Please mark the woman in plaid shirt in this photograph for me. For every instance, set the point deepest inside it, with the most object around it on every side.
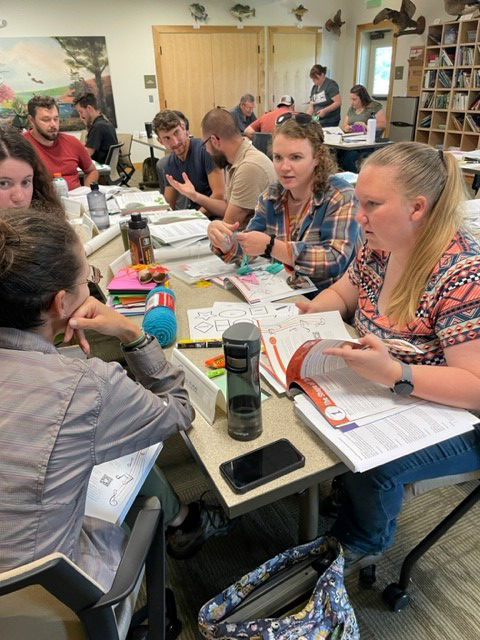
(307, 219)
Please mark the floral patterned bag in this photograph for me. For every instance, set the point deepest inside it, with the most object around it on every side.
(327, 614)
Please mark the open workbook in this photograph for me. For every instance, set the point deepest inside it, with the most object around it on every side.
(364, 422)
(260, 285)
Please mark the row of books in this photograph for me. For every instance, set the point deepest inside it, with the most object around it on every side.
(473, 122)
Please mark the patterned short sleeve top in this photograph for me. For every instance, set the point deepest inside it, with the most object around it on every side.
(449, 309)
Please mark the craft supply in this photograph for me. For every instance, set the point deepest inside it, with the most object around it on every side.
(199, 344)
(217, 362)
(215, 372)
(244, 268)
(275, 267)
(160, 320)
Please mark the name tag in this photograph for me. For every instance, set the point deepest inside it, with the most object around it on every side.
(319, 97)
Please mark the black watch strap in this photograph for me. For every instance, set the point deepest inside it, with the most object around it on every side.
(269, 247)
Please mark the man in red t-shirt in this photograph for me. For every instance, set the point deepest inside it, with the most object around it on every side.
(59, 152)
(266, 123)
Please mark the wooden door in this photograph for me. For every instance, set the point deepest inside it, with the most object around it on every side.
(235, 61)
(199, 69)
(184, 72)
(292, 52)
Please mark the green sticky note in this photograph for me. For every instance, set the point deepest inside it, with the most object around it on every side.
(371, 4)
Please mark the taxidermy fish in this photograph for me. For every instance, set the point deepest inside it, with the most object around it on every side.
(299, 12)
(242, 11)
(403, 19)
(199, 12)
(335, 24)
(460, 7)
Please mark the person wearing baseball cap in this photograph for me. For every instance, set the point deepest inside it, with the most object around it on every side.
(266, 123)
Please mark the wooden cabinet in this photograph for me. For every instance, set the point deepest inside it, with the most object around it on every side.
(449, 107)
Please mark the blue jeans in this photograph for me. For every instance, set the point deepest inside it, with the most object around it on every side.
(368, 516)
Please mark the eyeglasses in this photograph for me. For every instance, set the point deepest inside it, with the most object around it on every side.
(204, 142)
(94, 276)
(301, 118)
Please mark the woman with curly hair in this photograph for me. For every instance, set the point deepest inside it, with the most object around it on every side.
(307, 219)
(24, 181)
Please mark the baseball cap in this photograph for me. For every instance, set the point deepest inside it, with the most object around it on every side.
(285, 101)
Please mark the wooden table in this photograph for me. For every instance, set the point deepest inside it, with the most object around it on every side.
(211, 445)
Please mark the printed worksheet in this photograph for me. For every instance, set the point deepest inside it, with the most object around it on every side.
(211, 322)
(114, 485)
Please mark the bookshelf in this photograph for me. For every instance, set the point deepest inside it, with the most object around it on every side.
(449, 106)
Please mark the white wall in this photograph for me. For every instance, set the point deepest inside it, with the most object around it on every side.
(127, 27)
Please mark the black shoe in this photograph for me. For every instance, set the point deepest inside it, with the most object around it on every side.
(330, 506)
(182, 544)
(356, 560)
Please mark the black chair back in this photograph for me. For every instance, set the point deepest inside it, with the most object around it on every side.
(263, 142)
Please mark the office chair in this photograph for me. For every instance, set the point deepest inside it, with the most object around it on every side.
(125, 162)
(395, 595)
(112, 159)
(263, 142)
(51, 598)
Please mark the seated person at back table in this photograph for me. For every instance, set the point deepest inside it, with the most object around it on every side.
(100, 131)
(266, 123)
(416, 278)
(181, 202)
(243, 113)
(59, 152)
(248, 170)
(24, 181)
(60, 416)
(188, 156)
(306, 220)
(360, 111)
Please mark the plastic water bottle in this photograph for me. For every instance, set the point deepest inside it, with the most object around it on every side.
(60, 185)
(371, 128)
(97, 206)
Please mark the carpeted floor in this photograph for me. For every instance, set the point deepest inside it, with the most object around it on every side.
(445, 587)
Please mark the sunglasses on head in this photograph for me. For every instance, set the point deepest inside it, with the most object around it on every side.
(301, 118)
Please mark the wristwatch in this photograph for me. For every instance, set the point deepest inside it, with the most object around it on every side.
(268, 249)
(404, 386)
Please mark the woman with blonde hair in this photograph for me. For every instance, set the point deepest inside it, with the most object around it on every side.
(416, 278)
(306, 220)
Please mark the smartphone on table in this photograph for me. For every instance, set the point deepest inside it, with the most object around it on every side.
(261, 465)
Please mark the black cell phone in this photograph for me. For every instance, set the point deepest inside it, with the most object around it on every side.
(261, 465)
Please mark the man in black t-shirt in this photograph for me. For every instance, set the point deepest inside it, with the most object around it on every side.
(101, 132)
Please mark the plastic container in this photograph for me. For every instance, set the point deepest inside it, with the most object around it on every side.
(371, 128)
(139, 239)
(97, 206)
(241, 345)
(60, 185)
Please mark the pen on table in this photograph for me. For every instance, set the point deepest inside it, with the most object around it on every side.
(199, 344)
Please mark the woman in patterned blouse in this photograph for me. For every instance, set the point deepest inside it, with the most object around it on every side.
(417, 278)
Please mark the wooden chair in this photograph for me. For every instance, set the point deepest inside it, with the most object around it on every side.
(52, 599)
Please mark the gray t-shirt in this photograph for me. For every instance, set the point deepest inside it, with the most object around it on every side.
(363, 116)
(322, 97)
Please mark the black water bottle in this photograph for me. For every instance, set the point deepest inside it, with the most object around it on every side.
(241, 345)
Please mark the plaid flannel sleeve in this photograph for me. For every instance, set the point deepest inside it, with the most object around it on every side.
(328, 245)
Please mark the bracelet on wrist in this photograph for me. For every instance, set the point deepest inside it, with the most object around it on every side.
(134, 343)
(268, 249)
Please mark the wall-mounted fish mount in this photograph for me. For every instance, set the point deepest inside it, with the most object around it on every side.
(242, 11)
(198, 12)
(299, 12)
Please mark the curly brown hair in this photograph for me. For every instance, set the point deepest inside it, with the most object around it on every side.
(312, 132)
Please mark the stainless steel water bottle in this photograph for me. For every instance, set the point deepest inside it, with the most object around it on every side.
(241, 345)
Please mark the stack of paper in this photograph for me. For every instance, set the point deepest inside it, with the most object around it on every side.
(127, 293)
(141, 200)
(262, 286)
(179, 234)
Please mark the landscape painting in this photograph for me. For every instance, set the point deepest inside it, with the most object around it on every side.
(58, 66)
